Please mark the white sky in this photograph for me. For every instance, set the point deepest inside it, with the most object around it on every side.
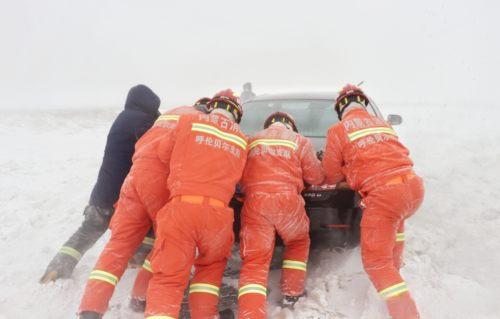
(64, 53)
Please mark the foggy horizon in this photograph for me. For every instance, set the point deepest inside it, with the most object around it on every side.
(58, 54)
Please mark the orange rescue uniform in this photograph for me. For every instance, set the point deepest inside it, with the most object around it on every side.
(143, 194)
(196, 226)
(365, 151)
(278, 162)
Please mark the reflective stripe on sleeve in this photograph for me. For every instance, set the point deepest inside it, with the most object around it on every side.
(209, 129)
(148, 241)
(104, 276)
(204, 288)
(167, 117)
(252, 289)
(400, 237)
(71, 252)
(368, 131)
(294, 264)
(394, 290)
(147, 265)
(271, 142)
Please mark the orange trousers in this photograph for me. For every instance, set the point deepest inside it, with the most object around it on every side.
(143, 194)
(192, 230)
(382, 239)
(264, 215)
(141, 283)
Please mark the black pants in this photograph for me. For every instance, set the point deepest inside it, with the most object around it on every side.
(94, 225)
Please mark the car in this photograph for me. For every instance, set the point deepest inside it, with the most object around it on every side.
(334, 213)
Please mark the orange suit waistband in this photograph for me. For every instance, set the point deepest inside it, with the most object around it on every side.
(200, 200)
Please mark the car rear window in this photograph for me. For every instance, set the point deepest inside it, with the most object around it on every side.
(313, 117)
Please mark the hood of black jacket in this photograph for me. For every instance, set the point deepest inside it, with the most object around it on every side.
(142, 98)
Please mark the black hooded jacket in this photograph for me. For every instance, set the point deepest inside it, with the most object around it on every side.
(141, 110)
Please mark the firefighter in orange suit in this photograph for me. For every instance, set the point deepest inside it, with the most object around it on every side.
(366, 152)
(138, 296)
(279, 161)
(143, 194)
(196, 226)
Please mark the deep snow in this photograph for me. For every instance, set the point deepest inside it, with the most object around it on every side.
(49, 162)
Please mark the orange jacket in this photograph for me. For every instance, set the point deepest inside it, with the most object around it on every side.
(363, 149)
(280, 160)
(150, 148)
(208, 157)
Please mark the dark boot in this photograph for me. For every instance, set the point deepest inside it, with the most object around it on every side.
(290, 301)
(61, 266)
(137, 305)
(94, 225)
(89, 315)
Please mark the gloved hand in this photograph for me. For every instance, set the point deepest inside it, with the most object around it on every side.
(319, 155)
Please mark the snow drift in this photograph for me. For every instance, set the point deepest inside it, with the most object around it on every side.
(49, 162)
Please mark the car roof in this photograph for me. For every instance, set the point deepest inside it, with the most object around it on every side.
(296, 96)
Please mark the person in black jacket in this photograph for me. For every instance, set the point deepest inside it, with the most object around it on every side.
(141, 111)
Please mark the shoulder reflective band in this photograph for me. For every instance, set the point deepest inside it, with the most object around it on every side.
(271, 142)
(368, 131)
(294, 264)
(70, 251)
(394, 290)
(147, 265)
(104, 276)
(400, 237)
(160, 317)
(205, 288)
(148, 241)
(209, 129)
(168, 117)
(252, 289)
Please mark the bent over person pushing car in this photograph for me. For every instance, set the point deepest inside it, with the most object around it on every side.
(366, 152)
(139, 114)
(143, 194)
(196, 226)
(279, 161)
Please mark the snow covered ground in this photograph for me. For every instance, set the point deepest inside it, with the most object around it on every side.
(49, 161)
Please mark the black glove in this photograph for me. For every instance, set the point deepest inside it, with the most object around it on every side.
(319, 155)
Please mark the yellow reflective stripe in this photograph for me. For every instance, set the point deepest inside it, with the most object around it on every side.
(373, 130)
(168, 118)
(294, 264)
(70, 251)
(252, 289)
(271, 142)
(160, 317)
(147, 265)
(199, 127)
(394, 290)
(400, 237)
(104, 276)
(148, 241)
(206, 288)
